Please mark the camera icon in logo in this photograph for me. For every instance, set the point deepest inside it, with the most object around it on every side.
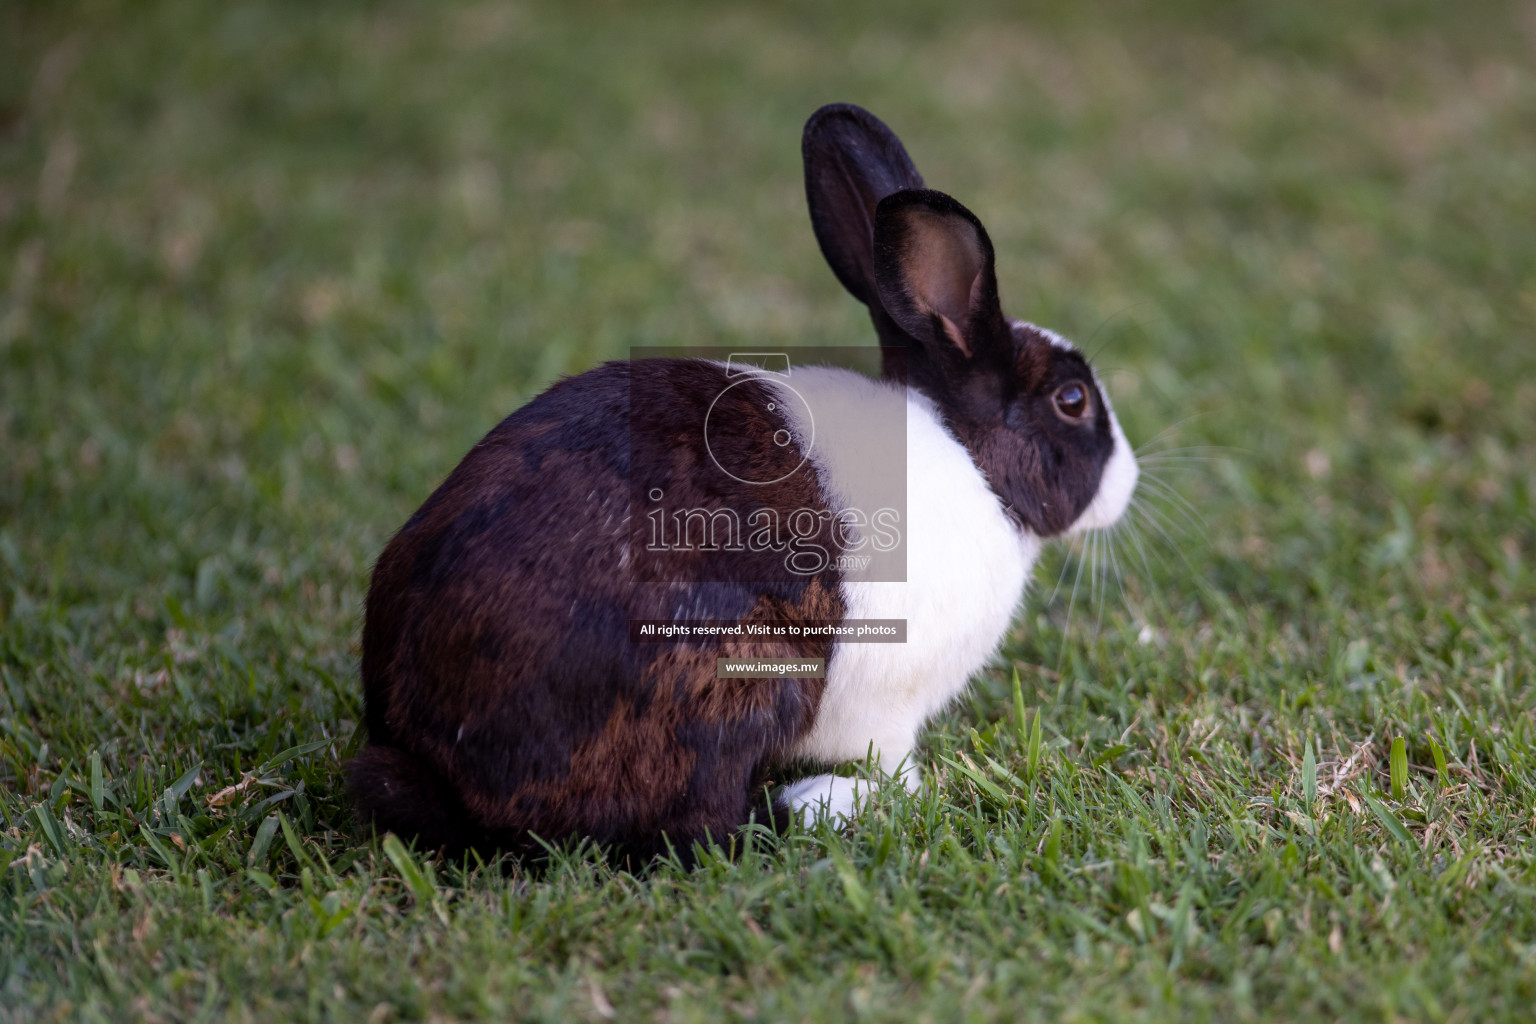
(732, 434)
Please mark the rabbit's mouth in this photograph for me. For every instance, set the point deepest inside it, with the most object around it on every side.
(1116, 486)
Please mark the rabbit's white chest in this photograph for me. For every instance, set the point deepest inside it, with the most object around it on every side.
(967, 565)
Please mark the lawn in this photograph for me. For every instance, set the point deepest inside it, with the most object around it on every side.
(268, 269)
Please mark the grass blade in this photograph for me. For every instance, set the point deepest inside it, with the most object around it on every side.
(171, 863)
(1441, 768)
(50, 827)
(1309, 777)
(98, 782)
(982, 782)
(1036, 750)
(292, 838)
(170, 800)
(1050, 850)
(412, 875)
(1018, 709)
(1389, 821)
(1399, 759)
(284, 756)
(258, 853)
(853, 888)
(1111, 755)
(1003, 773)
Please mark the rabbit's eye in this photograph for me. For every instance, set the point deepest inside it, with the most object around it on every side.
(1071, 401)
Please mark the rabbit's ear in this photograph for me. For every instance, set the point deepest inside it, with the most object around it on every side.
(852, 161)
(934, 270)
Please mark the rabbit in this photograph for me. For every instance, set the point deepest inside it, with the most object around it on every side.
(508, 700)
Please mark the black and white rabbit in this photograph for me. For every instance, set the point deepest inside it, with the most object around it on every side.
(506, 697)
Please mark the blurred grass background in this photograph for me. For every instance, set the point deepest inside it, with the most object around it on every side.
(270, 268)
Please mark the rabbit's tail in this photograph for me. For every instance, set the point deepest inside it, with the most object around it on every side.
(398, 792)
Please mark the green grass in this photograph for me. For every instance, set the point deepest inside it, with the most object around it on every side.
(268, 269)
